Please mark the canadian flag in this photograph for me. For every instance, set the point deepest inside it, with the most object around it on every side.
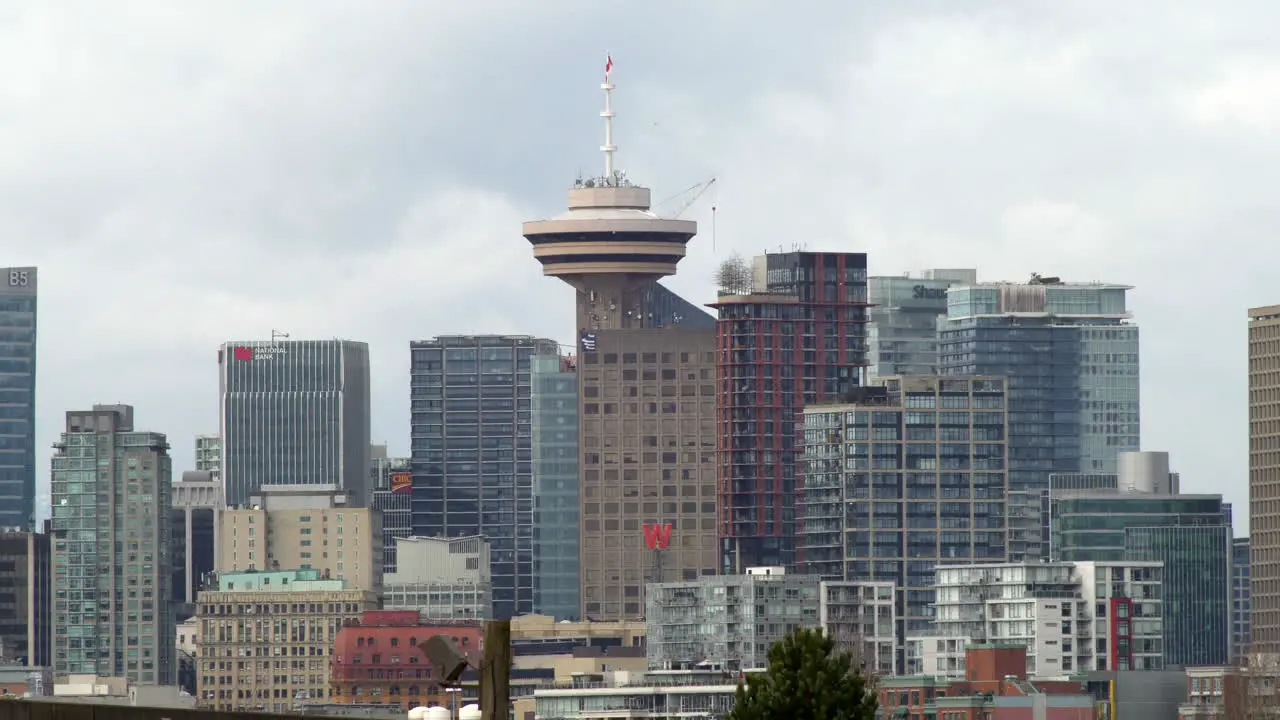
(608, 66)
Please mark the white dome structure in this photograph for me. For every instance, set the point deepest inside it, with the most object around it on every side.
(418, 713)
(469, 712)
(437, 713)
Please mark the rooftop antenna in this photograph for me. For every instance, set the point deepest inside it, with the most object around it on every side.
(608, 148)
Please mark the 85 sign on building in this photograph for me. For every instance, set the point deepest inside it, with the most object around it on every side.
(18, 394)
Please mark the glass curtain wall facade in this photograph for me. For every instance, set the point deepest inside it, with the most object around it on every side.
(294, 412)
(111, 513)
(1197, 589)
(472, 456)
(909, 477)
(902, 333)
(18, 398)
(1191, 534)
(798, 339)
(557, 580)
(1071, 358)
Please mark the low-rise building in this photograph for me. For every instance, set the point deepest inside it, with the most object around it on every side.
(1072, 617)
(994, 687)
(655, 694)
(444, 579)
(265, 639)
(379, 660)
(727, 622)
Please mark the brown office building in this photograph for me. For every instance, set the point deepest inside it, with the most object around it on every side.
(1264, 477)
(646, 381)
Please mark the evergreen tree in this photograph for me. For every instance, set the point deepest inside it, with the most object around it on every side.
(807, 679)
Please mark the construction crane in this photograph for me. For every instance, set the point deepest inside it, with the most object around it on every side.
(690, 196)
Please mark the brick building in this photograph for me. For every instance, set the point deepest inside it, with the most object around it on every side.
(379, 660)
(995, 687)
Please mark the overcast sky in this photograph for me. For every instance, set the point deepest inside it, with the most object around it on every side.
(188, 173)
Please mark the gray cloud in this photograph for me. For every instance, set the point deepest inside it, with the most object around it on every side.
(187, 175)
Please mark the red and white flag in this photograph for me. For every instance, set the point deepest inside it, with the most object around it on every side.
(608, 66)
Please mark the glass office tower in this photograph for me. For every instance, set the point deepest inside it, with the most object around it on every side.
(1071, 357)
(294, 412)
(902, 332)
(556, 577)
(18, 398)
(1190, 534)
(472, 455)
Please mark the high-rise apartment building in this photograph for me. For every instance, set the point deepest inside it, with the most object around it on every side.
(294, 412)
(25, 599)
(902, 328)
(1072, 617)
(556, 580)
(1240, 588)
(727, 621)
(1071, 358)
(645, 391)
(796, 338)
(1264, 478)
(113, 613)
(18, 396)
(472, 429)
(303, 527)
(209, 456)
(907, 476)
(265, 639)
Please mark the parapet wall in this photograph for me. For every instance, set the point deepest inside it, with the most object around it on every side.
(45, 710)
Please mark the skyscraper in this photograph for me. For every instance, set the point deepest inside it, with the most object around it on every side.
(294, 413)
(18, 398)
(902, 329)
(1264, 479)
(646, 390)
(472, 458)
(1071, 357)
(904, 477)
(112, 560)
(557, 582)
(795, 337)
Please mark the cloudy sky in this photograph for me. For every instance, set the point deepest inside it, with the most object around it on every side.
(188, 173)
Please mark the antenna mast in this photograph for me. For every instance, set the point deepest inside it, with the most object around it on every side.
(608, 148)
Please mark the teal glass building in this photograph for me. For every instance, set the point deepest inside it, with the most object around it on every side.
(1190, 534)
(556, 578)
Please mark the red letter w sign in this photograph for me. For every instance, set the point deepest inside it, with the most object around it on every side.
(657, 537)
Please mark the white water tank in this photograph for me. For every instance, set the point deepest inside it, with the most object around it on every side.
(469, 712)
(438, 713)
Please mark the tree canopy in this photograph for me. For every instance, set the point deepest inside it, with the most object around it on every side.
(808, 678)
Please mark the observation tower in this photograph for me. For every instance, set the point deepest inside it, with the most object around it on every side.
(609, 245)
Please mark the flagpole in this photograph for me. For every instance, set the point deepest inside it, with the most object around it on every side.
(608, 148)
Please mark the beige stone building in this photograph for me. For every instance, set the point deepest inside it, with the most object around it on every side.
(264, 639)
(1264, 478)
(308, 527)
